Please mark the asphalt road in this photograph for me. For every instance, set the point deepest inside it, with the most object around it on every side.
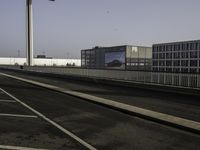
(99, 126)
(179, 105)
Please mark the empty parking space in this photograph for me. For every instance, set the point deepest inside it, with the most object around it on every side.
(4, 96)
(20, 129)
(13, 108)
(33, 133)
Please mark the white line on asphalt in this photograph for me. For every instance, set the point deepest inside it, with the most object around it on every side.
(90, 147)
(9, 101)
(153, 115)
(16, 115)
(18, 148)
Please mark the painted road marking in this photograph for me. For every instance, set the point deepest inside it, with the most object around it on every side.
(18, 148)
(8, 101)
(90, 147)
(174, 121)
(17, 115)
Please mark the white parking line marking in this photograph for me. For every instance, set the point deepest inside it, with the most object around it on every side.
(16, 115)
(90, 147)
(9, 101)
(18, 148)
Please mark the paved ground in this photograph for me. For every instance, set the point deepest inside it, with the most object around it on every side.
(101, 127)
(174, 104)
(20, 127)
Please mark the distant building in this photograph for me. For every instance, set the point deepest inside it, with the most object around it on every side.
(177, 57)
(118, 57)
(40, 61)
(43, 56)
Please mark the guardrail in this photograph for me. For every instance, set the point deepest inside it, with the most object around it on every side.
(168, 79)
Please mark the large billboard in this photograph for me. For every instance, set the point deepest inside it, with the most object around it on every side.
(115, 60)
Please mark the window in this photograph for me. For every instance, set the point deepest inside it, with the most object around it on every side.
(168, 69)
(193, 70)
(184, 55)
(178, 47)
(193, 63)
(177, 55)
(155, 56)
(168, 63)
(176, 70)
(162, 55)
(161, 63)
(196, 46)
(193, 54)
(176, 63)
(184, 63)
(155, 63)
(184, 70)
(168, 55)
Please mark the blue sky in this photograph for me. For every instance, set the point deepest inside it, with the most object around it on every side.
(64, 27)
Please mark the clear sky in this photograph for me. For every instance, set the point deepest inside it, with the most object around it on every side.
(64, 27)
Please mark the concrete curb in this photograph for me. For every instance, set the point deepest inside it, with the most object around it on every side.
(170, 120)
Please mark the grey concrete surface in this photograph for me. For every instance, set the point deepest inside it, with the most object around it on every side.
(18, 129)
(180, 105)
(102, 127)
(182, 123)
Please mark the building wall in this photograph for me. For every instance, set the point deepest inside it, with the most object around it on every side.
(100, 57)
(177, 57)
(139, 58)
(40, 61)
(130, 58)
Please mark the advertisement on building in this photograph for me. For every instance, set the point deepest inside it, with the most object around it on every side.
(115, 60)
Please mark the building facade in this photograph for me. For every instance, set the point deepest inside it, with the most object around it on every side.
(177, 57)
(118, 57)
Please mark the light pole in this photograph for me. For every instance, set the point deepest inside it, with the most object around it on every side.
(29, 32)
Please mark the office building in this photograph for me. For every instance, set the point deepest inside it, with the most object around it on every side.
(177, 57)
(117, 57)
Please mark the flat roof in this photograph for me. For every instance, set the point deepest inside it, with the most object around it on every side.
(190, 41)
(102, 47)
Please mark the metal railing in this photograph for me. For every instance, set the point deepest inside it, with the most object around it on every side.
(168, 79)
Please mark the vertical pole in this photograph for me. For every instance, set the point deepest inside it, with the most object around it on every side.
(29, 32)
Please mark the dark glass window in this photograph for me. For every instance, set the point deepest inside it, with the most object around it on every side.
(168, 69)
(155, 56)
(184, 55)
(193, 70)
(168, 55)
(187, 46)
(168, 63)
(193, 54)
(176, 63)
(155, 63)
(184, 70)
(193, 63)
(176, 70)
(177, 55)
(196, 46)
(184, 63)
(161, 63)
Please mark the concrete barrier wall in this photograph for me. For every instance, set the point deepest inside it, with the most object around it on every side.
(168, 79)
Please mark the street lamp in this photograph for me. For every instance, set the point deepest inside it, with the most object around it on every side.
(29, 32)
